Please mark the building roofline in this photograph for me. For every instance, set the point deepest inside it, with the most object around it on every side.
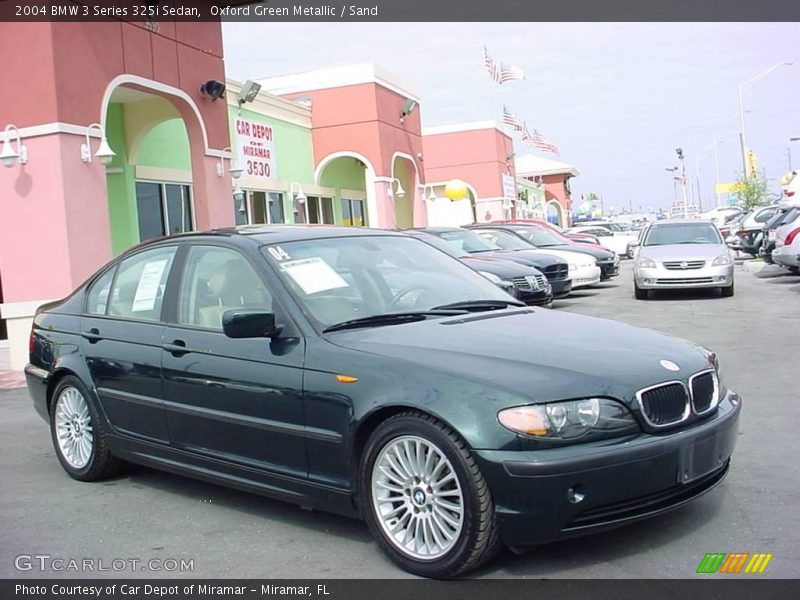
(335, 77)
(466, 126)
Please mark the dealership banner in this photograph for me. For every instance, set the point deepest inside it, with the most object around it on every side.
(154, 12)
(255, 148)
(403, 589)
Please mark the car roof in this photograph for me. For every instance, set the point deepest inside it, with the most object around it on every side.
(664, 222)
(271, 234)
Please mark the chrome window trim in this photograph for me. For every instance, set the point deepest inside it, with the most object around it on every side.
(714, 398)
(686, 411)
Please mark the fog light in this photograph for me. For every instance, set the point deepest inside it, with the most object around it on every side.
(648, 281)
(574, 495)
(719, 278)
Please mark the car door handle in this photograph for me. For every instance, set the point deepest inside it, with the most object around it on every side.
(176, 348)
(93, 335)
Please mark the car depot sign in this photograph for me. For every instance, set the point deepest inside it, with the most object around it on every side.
(256, 148)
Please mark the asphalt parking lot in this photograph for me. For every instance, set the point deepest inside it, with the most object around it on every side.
(146, 514)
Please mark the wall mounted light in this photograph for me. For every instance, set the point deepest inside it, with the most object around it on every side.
(234, 169)
(249, 91)
(299, 195)
(9, 156)
(432, 197)
(400, 192)
(104, 152)
(408, 107)
(239, 196)
(213, 89)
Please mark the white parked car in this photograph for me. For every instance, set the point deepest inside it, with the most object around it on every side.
(721, 214)
(787, 241)
(607, 239)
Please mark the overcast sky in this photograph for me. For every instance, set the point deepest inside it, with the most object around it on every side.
(616, 98)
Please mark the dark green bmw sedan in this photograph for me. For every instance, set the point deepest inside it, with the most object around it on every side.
(370, 374)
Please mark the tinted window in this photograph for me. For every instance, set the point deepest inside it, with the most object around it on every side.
(466, 240)
(503, 239)
(540, 237)
(217, 280)
(138, 289)
(148, 206)
(97, 298)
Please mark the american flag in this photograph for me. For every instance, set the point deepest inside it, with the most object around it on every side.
(501, 72)
(537, 140)
(510, 118)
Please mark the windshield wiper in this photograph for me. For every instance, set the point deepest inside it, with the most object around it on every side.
(479, 305)
(393, 318)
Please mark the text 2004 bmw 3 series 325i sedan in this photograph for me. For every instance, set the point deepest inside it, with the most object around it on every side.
(370, 374)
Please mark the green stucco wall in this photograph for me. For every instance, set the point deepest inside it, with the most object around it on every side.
(166, 146)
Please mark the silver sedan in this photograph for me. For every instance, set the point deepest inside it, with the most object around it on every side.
(682, 254)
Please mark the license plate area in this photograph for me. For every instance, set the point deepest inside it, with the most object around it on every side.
(698, 460)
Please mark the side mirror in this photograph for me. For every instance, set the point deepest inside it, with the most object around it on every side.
(249, 323)
(633, 243)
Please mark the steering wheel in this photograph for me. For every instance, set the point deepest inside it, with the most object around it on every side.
(405, 292)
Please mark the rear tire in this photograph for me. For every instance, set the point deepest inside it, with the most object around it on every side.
(412, 507)
(77, 433)
(727, 292)
(639, 293)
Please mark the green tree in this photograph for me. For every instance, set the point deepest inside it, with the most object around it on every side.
(752, 192)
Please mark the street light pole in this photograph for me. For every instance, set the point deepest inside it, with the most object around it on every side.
(743, 134)
(789, 149)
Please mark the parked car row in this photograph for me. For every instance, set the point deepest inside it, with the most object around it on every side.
(530, 260)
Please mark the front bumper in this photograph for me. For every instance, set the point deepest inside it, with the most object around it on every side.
(536, 298)
(609, 269)
(585, 276)
(635, 478)
(660, 278)
(561, 287)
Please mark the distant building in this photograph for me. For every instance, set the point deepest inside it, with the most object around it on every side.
(555, 176)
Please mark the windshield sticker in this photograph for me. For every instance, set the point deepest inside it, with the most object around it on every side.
(149, 284)
(313, 275)
(278, 253)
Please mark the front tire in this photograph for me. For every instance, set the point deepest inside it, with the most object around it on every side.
(639, 293)
(727, 292)
(77, 432)
(424, 498)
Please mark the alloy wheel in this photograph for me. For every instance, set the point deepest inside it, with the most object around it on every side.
(417, 498)
(74, 428)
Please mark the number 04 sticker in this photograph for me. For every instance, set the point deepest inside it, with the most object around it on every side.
(278, 253)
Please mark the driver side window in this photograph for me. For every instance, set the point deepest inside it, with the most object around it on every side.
(217, 280)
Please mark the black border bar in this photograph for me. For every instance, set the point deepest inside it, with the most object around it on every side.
(396, 10)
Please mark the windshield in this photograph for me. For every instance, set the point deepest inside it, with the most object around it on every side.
(339, 279)
(504, 240)
(466, 240)
(682, 233)
(540, 237)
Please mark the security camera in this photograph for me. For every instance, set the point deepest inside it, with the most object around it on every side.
(213, 88)
(249, 91)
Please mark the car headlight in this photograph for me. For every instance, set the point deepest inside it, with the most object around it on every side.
(573, 267)
(645, 263)
(722, 260)
(570, 420)
(490, 276)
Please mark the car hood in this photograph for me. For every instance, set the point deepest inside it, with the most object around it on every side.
(540, 354)
(534, 258)
(505, 269)
(683, 251)
(572, 257)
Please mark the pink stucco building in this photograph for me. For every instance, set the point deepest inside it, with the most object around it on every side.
(555, 176)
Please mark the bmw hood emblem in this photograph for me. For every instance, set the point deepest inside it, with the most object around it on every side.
(669, 365)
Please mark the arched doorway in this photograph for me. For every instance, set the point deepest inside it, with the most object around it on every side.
(555, 213)
(164, 175)
(350, 177)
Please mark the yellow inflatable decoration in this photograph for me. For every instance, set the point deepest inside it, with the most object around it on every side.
(456, 190)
